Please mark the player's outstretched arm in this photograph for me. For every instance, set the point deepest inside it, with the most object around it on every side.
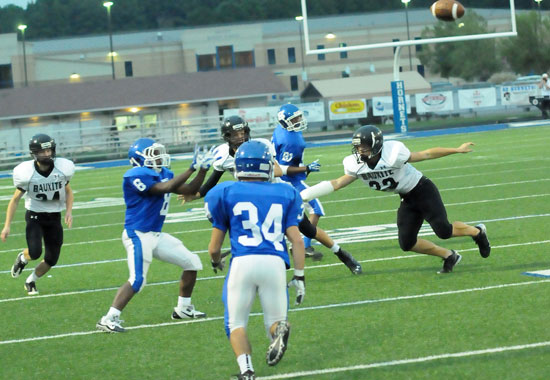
(433, 153)
(12, 207)
(326, 187)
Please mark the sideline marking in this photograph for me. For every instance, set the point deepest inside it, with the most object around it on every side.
(539, 273)
(300, 309)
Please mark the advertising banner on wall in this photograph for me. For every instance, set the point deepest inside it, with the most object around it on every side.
(434, 102)
(313, 112)
(517, 95)
(383, 105)
(347, 109)
(266, 117)
(477, 98)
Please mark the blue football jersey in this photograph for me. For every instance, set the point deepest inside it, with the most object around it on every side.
(289, 147)
(256, 214)
(145, 212)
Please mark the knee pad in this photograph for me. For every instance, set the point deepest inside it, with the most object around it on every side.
(195, 263)
(406, 244)
(307, 229)
(35, 252)
(137, 283)
(443, 230)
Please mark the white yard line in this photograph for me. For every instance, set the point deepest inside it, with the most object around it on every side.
(296, 310)
(392, 363)
(403, 257)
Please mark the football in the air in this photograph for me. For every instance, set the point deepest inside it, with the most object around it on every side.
(447, 10)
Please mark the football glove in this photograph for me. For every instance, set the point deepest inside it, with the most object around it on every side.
(221, 264)
(202, 157)
(315, 166)
(298, 282)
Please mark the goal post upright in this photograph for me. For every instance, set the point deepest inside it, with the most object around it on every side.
(397, 83)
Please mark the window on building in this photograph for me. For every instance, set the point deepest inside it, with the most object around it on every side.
(128, 69)
(294, 83)
(271, 56)
(291, 55)
(206, 62)
(343, 54)
(418, 47)
(320, 57)
(6, 78)
(225, 57)
(395, 40)
(244, 59)
(420, 69)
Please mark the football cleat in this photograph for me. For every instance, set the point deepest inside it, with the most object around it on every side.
(450, 262)
(248, 375)
(349, 261)
(110, 325)
(482, 241)
(313, 254)
(188, 313)
(19, 265)
(277, 348)
(30, 287)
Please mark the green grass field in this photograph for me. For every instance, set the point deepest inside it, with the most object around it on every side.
(399, 320)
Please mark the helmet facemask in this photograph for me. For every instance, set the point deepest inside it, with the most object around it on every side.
(293, 123)
(154, 157)
(39, 145)
(366, 148)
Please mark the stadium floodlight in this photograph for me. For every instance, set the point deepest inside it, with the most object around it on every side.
(22, 28)
(330, 36)
(108, 5)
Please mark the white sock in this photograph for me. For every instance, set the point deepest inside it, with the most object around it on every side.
(32, 277)
(335, 248)
(113, 312)
(183, 302)
(245, 363)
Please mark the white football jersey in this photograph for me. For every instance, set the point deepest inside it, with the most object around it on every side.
(44, 194)
(392, 172)
(223, 161)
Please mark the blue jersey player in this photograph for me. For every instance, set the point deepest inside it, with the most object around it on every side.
(257, 214)
(289, 146)
(147, 187)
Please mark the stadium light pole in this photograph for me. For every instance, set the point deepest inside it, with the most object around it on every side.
(108, 5)
(300, 19)
(406, 2)
(22, 28)
(538, 3)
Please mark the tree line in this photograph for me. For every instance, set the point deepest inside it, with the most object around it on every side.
(60, 18)
(471, 60)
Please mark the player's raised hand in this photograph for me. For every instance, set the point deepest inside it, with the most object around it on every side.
(315, 166)
(208, 157)
(465, 148)
(298, 282)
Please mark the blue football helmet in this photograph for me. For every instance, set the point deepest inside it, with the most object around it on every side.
(146, 152)
(291, 118)
(253, 159)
